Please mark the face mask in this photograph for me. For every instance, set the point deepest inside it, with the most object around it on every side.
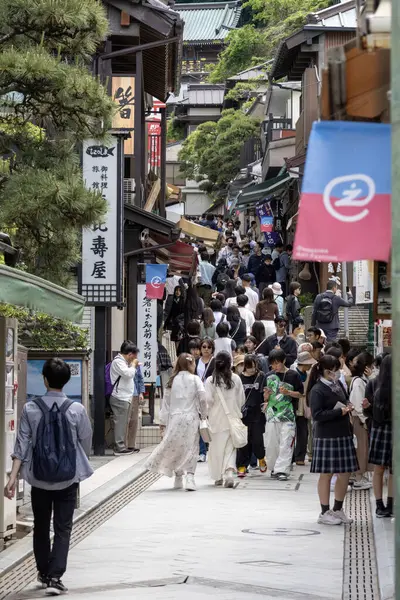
(334, 376)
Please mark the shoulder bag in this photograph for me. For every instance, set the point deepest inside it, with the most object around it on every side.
(237, 429)
(205, 431)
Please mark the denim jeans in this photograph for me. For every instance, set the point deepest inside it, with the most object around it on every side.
(203, 447)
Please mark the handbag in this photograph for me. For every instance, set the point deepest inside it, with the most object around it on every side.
(237, 429)
(205, 431)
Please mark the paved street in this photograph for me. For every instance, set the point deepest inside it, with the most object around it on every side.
(259, 539)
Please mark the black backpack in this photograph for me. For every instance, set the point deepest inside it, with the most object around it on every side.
(325, 309)
(54, 453)
(276, 263)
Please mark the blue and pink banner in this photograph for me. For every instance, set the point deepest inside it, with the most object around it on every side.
(345, 204)
(156, 277)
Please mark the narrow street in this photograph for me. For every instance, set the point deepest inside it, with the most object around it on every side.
(260, 539)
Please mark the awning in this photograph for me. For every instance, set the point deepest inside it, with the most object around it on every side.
(198, 231)
(180, 257)
(23, 289)
(258, 192)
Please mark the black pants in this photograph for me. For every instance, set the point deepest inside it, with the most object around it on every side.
(255, 444)
(52, 562)
(300, 450)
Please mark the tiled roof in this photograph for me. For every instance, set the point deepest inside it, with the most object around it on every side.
(208, 22)
(340, 15)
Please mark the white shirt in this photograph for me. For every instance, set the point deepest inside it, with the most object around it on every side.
(234, 399)
(171, 283)
(253, 299)
(231, 302)
(185, 397)
(219, 318)
(201, 368)
(124, 389)
(248, 316)
(223, 345)
(357, 395)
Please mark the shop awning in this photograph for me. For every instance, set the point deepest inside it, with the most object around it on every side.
(180, 257)
(23, 289)
(256, 193)
(198, 231)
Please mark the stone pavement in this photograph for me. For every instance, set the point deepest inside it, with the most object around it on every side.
(260, 539)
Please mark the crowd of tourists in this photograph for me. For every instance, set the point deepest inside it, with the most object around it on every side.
(246, 362)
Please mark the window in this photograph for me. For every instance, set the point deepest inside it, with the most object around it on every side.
(174, 175)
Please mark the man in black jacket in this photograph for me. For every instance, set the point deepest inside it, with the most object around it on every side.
(280, 341)
(326, 310)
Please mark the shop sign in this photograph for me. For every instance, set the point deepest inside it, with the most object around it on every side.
(123, 93)
(363, 281)
(345, 205)
(101, 282)
(147, 334)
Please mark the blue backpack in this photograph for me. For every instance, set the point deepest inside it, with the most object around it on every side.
(54, 453)
(108, 384)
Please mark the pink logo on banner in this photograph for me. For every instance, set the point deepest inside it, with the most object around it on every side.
(345, 205)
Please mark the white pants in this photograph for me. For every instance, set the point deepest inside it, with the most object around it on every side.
(278, 440)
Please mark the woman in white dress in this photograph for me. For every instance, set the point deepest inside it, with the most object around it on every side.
(222, 453)
(184, 405)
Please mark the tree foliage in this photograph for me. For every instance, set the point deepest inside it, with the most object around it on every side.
(211, 154)
(40, 330)
(245, 48)
(49, 103)
(273, 21)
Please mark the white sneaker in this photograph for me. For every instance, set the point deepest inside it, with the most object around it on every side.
(329, 518)
(229, 482)
(363, 484)
(178, 483)
(340, 514)
(190, 483)
(218, 483)
(202, 458)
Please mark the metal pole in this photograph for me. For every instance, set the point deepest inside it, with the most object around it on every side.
(139, 131)
(100, 324)
(163, 167)
(344, 293)
(395, 118)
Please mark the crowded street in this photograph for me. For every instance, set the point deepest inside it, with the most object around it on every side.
(200, 299)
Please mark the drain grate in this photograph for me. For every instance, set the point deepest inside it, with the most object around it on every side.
(24, 572)
(360, 574)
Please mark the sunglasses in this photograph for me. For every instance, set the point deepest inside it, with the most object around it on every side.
(206, 347)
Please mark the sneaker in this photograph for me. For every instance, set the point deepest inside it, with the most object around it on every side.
(55, 587)
(329, 518)
(300, 463)
(274, 475)
(42, 580)
(363, 484)
(229, 482)
(383, 513)
(263, 465)
(283, 477)
(123, 452)
(242, 472)
(254, 467)
(190, 483)
(178, 483)
(340, 514)
(219, 483)
(134, 450)
(202, 458)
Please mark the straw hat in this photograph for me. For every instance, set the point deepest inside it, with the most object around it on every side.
(305, 358)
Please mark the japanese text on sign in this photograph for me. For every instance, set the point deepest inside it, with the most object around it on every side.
(99, 243)
(147, 335)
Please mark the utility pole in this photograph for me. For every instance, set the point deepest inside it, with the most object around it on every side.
(395, 118)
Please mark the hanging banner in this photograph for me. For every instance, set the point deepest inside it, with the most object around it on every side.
(363, 281)
(147, 334)
(267, 224)
(102, 251)
(345, 211)
(156, 278)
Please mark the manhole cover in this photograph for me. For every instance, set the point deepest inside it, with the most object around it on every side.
(282, 531)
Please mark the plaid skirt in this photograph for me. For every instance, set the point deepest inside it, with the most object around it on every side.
(380, 445)
(334, 455)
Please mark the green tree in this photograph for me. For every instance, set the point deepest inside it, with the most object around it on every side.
(49, 103)
(245, 47)
(211, 153)
(273, 21)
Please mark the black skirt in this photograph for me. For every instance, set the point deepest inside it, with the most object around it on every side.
(381, 445)
(334, 455)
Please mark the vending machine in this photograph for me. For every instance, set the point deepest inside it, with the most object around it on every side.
(8, 418)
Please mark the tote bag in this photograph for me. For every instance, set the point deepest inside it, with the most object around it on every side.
(237, 429)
